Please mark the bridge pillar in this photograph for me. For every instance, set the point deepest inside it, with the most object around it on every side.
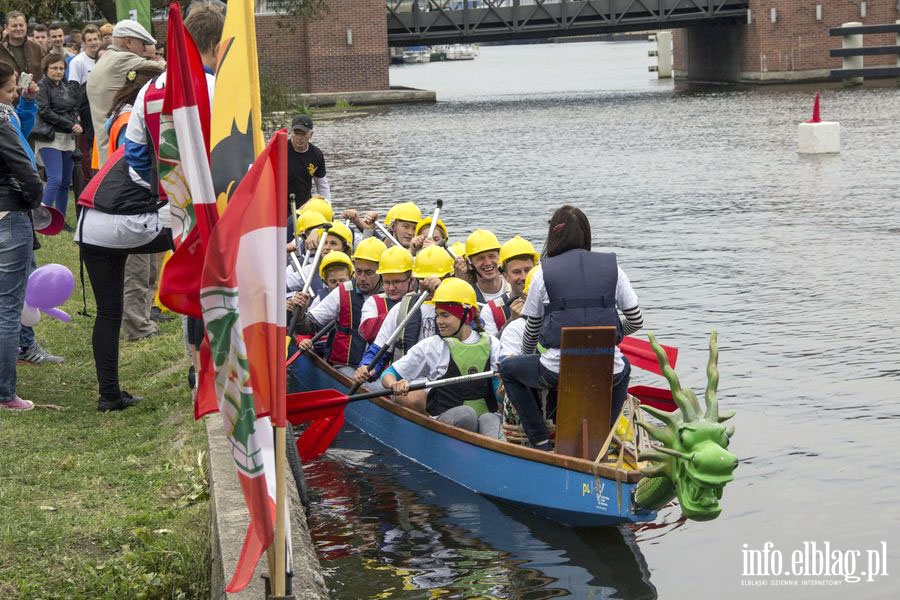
(781, 41)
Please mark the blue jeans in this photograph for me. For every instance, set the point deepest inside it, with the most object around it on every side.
(26, 334)
(58, 166)
(15, 264)
(524, 375)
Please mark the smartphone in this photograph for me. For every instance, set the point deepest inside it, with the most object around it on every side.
(25, 80)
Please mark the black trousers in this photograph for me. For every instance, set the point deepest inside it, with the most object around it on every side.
(106, 271)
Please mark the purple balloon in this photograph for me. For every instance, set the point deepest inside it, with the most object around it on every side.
(49, 286)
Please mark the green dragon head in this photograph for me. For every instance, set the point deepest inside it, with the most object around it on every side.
(693, 457)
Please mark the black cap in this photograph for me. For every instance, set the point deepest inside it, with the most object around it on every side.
(303, 123)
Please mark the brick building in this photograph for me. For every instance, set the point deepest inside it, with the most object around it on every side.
(790, 44)
(343, 50)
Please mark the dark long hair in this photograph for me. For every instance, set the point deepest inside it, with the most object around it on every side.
(569, 230)
(133, 84)
(6, 72)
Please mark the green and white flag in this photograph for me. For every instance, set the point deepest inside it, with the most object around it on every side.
(136, 10)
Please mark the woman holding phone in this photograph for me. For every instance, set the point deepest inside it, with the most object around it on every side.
(55, 130)
(20, 191)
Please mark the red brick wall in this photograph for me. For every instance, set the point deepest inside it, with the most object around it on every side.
(310, 57)
(796, 42)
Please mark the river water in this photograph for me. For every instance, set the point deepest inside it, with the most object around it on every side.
(720, 224)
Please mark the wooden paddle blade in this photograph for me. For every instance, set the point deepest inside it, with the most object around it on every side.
(302, 407)
(660, 398)
(640, 354)
(313, 442)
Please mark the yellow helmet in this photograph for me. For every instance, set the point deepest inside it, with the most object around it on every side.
(405, 211)
(370, 249)
(395, 260)
(458, 248)
(310, 219)
(318, 204)
(332, 258)
(518, 246)
(342, 231)
(528, 279)
(425, 223)
(432, 261)
(481, 240)
(454, 290)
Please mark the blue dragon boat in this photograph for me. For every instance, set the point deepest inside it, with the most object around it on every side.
(570, 490)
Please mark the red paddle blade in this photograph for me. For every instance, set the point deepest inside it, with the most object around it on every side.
(318, 436)
(309, 406)
(640, 354)
(660, 398)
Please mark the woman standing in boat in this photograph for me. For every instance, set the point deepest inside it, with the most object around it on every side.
(572, 287)
(460, 348)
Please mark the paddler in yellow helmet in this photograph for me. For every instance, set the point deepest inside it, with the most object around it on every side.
(439, 237)
(344, 305)
(395, 268)
(401, 221)
(339, 238)
(517, 258)
(430, 266)
(458, 349)
(483, 263)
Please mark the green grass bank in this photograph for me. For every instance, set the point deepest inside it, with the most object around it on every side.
(102, 505)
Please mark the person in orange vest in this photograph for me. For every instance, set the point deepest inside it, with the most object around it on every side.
(517, 259)
(123, 103)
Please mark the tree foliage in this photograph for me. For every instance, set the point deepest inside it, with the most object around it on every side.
(48, 11)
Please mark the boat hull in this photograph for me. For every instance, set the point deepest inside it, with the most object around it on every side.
(568, 496)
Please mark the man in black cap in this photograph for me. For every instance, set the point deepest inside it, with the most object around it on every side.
(306, 163)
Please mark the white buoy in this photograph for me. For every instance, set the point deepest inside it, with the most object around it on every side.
(817, 136)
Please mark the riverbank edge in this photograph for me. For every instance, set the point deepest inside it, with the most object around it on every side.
(228, 526)
(394, 95)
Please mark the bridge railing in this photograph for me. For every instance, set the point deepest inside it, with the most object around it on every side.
(452, 21)
(854, 50)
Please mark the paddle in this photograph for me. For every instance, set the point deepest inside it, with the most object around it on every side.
(660, 398)
(295, 318)
(326, 409)
(322, 333)
(397, 332)
(434, 218)
(384, 231)
(292, 198)
(640, 354)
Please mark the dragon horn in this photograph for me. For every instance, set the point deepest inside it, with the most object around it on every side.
(724, 416)
(729, 431)
(651, 455)
(675, 453)
(660, 434)
(712, 376)
(665, 417)
(687, 410)
(654, 470)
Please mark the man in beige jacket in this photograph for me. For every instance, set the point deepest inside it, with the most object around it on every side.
(108, 75)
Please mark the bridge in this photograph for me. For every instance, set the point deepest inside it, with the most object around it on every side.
(413, 22)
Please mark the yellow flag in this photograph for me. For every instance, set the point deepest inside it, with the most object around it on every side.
(236, 137)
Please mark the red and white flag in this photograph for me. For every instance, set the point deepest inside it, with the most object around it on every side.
(243, 302)
(184, 171)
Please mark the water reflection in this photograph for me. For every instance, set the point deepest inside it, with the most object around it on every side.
(390, 528)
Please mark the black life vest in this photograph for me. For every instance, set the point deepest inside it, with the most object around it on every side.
(581, 286)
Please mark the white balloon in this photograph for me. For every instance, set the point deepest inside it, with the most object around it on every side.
(30, 316)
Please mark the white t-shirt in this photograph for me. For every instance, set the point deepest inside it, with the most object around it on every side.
(503, 290)
(80, 66)
(511, 338)
(538, 299)
(120, 231)
(293, 279)
(430, 357)
(427, 329)
(136, 131)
